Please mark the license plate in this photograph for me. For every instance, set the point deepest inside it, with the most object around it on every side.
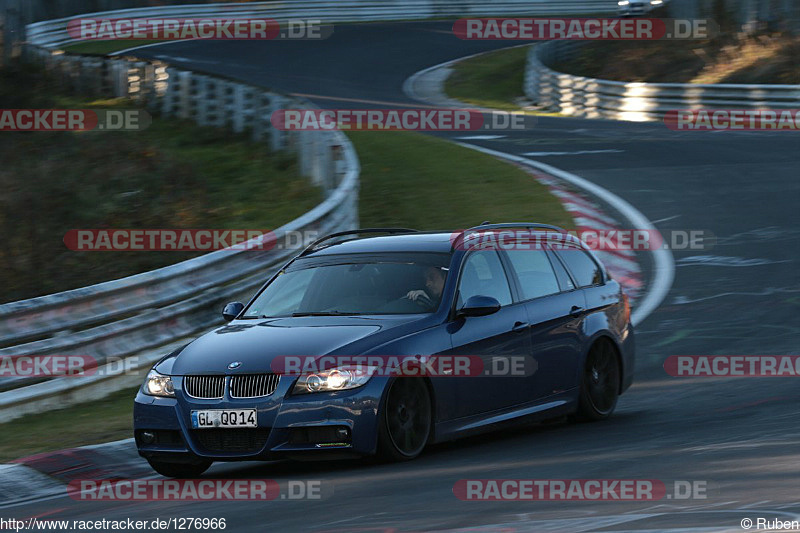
(224, 418)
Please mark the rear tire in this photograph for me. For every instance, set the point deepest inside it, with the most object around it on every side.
(405, 421)
(180, 470)
(599, 383)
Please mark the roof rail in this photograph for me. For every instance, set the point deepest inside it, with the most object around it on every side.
(319, 241)
(530, 225)
(506, 225)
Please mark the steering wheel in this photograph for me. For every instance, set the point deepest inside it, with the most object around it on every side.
(424, 300)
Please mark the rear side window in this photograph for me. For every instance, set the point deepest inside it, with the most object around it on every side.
(534, 272)
(585, 271)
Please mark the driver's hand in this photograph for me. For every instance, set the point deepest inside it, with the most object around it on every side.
(414, 295)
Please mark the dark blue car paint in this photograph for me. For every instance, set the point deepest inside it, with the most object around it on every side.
(558, 340)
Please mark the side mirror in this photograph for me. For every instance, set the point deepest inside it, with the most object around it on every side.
(479, 306)
(232, 310)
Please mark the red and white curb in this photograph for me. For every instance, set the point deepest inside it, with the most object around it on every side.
(46, 475)
(588, 216)
(663, 271)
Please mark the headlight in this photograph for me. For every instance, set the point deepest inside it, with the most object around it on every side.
(158, 385)
(656, 2)
(623, 3)
(341, 378)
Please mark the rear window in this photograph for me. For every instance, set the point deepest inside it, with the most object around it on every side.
(585, 271)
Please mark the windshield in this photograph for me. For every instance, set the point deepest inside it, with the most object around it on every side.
(355, 285)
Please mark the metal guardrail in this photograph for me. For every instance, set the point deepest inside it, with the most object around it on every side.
(141, 314)
(636, 101)
(148, 314)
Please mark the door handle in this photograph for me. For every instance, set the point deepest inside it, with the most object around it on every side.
(519, 327)
(576, 311)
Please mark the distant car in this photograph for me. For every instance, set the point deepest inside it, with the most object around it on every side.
(391, 292)
(628, 8)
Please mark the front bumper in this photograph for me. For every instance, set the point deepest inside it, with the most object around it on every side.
(288, 425)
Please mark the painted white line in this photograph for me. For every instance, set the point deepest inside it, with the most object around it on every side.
(666, 219)
(579, 152)
(141, 47)
(481, 137)
(664, 267)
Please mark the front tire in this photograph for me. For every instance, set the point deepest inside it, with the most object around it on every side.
(405, 421)
(599, 383)
(180, 470)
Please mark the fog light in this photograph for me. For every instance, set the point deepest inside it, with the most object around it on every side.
(147, 437)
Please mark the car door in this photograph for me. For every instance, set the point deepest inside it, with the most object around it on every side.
(504, 333)
(555, 309)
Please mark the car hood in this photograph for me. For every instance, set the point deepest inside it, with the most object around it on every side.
(255, 344)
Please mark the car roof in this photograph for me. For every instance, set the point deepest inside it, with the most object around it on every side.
(408, 240)
(439, 242)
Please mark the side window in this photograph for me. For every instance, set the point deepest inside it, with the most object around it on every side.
(583, 268)
(483, 275)
(561, 272)
(534, 272)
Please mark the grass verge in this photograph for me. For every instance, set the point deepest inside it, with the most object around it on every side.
(493, 80)
(105, 420)
(171, 175)
(424, 182)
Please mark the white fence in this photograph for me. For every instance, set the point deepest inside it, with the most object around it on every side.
(634, 101)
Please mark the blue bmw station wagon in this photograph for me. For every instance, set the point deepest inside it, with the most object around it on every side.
(392, 292)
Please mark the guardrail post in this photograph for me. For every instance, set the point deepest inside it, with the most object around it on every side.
(184, 96)
(239, 108)
(223, 108)
(119, 78)
(202, 99)
(261, 107)
(277, 138)
(169, 104)
(304, 152)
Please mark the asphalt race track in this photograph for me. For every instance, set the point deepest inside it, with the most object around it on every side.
(741, 436)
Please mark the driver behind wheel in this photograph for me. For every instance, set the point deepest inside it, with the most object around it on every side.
(434, 285)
